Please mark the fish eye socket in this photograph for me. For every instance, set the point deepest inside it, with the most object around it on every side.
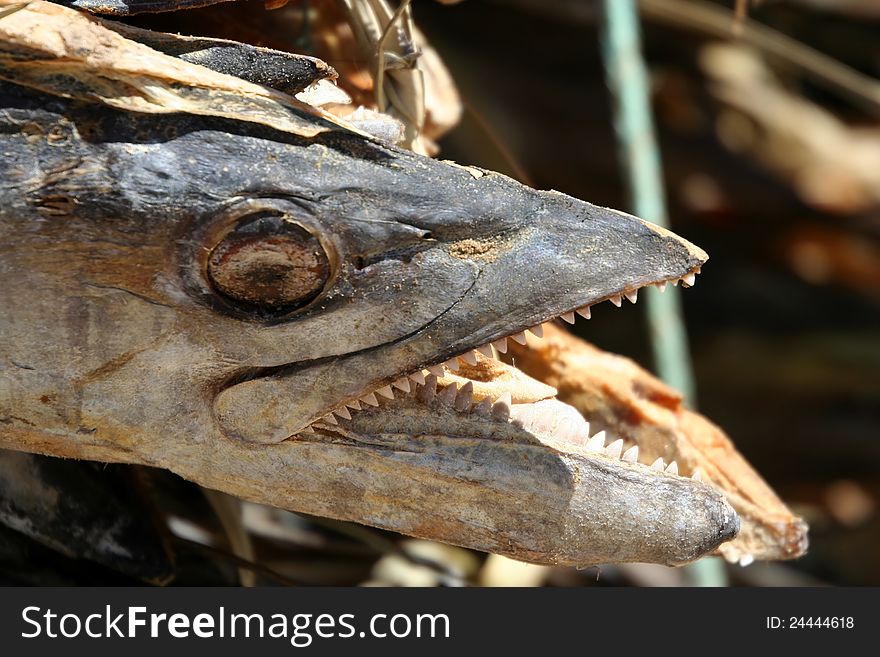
(268, 263)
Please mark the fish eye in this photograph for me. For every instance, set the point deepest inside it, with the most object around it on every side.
(268, 262)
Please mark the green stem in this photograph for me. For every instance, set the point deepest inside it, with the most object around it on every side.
(633, 122)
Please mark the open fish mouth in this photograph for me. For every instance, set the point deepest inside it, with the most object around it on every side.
(474, 415)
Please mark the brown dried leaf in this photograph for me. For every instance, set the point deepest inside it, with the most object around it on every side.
(70, 54)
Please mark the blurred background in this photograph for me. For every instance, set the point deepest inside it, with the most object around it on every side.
(773, 167)
(769, 135)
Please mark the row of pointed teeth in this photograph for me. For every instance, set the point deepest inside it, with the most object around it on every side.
(632, 296)
(500, 345)
(404, 383)
(614, 449)
(462, 400)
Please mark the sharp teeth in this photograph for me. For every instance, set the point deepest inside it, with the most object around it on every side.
(597, 442)
(523, 415)
(584, 312)
(354, 404)
(746, 560)
(519, 337)
(501, 408)
(689, 279)
(661, 286)
(470, 358)
(672, 468)
(486, 350)
(402, 384)
(307, 429)
(570, 430)
(426, 393)
(484, 407)
(330, 419)
(501, 345)
(616, 300)
(658, 465)
(452, 364)
(632, 295)
(538, 330)
(386, 392)
(342, 411)
(447, 395)
(614, 449)
(370, 399)
(697, 475)
(418, 377)
(465, 396)
(568, 317)
(436, 370)
(631, 455)
(674, 282)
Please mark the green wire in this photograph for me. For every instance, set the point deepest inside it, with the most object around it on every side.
(633, 123)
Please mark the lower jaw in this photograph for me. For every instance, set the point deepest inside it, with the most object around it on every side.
(495, 393)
